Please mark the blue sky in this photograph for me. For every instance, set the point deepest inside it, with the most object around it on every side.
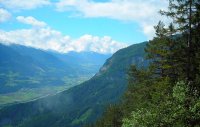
(102, 26)
(76, 26)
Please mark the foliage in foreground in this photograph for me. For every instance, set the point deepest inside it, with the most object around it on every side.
(167, 93)
(166, 109)
(156, 103)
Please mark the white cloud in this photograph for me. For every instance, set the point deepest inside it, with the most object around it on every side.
(31, 21)
(48, 39)
(23, 4)
(144, 12)
(4, 15)
(97, 44)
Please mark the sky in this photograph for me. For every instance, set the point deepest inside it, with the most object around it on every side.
(102, 26)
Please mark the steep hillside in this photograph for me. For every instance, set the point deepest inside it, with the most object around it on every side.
(23, 67)
(81, 104)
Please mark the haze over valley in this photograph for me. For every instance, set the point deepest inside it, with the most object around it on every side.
(99, 63)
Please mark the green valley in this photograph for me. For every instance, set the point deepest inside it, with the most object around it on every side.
(27, 73)
(83, 103)
(95, 81)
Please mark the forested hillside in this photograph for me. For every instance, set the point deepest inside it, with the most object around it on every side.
(81, 104)
(150, 84)
(167, 93)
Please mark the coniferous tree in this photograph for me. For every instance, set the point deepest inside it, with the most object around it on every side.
(173, 72)
(185, 15)
(167, 93)
(158, 51)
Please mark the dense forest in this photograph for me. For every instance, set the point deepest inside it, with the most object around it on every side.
(167, 92)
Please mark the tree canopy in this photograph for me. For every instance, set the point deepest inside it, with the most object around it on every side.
(167, 92)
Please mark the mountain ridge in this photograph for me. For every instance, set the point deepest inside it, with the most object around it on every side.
(26, 72)
(81, 104)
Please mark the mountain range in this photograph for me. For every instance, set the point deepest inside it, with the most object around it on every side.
(81, 104)
(27, 73)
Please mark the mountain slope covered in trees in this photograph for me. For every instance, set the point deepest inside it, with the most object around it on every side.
(167, 93)
(81, 104)
(164, 93)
